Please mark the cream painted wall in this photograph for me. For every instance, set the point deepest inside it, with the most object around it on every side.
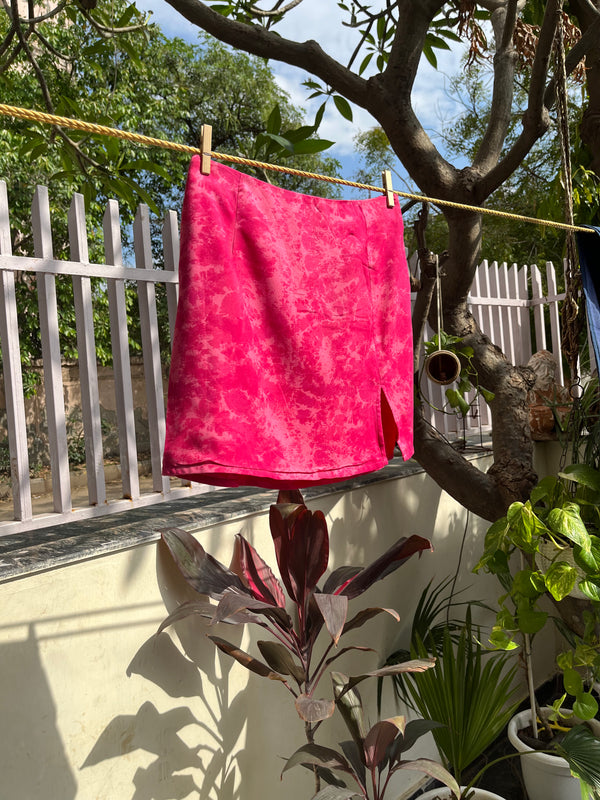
(95, 707)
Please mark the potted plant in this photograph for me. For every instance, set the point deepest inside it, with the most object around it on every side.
(469, 690)
(294, 611)
(549, 546)
(449, 360)
(373, 755)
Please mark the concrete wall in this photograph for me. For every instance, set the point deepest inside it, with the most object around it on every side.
(95, 707)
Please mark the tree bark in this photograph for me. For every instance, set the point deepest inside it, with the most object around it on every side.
(589, 16)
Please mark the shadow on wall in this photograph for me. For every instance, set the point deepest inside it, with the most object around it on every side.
(31, 727)
(207, 768)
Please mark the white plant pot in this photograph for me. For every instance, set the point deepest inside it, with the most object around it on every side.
(446, 794)
(546, 777)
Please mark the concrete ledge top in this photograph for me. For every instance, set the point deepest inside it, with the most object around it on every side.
(31, 552)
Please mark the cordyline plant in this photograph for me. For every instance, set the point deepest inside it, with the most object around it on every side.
(249, 592)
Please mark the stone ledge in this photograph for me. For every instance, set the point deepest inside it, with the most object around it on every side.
(31, 552)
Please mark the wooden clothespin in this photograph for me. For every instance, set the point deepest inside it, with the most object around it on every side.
(389, 189)
(205, 147)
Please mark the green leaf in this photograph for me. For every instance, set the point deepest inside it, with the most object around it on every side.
(365, 63)
(319, 116)
(448, 34)
(457, 401)
(544, 490)
(531, 621)
(437, 41)
(585, 706)
(566, 521)
(284, 143)
(560, 579)
(279, 658)
(429, 54)
(529, 583)
(310, 146)
(583, 474)
(572, 681)
(588, 560)
(501, 640)
(486, 394)
(343, 106)
(141, 164)
(582, 751)
(525, 526)
(274, 121)
(591, 590)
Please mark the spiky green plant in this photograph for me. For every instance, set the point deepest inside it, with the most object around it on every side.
(469, 690)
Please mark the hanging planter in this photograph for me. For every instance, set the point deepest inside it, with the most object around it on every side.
(448, 360)
(443, 367)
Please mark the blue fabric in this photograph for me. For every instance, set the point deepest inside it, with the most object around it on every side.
(588, 245)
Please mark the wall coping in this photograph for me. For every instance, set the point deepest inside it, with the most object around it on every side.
(32, 552)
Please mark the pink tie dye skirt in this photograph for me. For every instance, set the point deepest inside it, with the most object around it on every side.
(292, 355)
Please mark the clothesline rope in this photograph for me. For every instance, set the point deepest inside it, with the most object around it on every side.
(150, 141)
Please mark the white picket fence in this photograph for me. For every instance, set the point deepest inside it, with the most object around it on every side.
(501, 300)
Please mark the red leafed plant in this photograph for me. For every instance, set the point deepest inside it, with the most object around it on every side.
(249, 592)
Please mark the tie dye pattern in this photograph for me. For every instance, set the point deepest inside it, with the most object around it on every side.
(292, 355)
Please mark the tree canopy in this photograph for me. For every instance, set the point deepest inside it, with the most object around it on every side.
(390, 38)
(138, 80)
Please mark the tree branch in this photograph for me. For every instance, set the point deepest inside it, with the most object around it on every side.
(409, 140)
(536, 119)
(257, 40)
(413, 23)
(585, 11)
(276, 11)
(51, 49)
(471, 487)
(52, 13)
(7, 40)
(108, 33)
(589, 40)
(503, 22)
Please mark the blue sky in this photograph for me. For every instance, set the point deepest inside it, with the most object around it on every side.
(321, 20)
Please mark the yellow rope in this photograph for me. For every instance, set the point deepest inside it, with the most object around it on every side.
(149, 141)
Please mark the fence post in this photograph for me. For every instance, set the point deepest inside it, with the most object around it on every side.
(120, 349)
(142, 243)
(171, 258)
(13, 377)
(86, 348)
(538, 309)
(552, 302)
(53, 384)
